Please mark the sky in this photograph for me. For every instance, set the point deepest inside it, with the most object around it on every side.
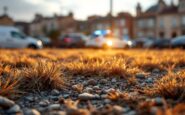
(24, 10)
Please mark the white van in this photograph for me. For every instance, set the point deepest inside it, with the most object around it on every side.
(11, 37)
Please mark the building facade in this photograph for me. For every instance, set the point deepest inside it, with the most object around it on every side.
(122, 24)
(160, 20)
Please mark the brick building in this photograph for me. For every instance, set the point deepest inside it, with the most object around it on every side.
(123, 24)
(161, 20)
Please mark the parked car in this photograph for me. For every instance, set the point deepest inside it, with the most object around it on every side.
(103, 39)
(45, 40)
(73, 40)
(178, 42)
(11, 37)
(161, 43)
(143, 42)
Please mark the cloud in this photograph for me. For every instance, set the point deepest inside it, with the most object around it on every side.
(25, 9)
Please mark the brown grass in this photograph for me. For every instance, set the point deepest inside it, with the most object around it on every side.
(170, 86)
(41, 76)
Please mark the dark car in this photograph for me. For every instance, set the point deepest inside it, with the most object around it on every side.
(161, 43)
(178, 42)
(73, 40)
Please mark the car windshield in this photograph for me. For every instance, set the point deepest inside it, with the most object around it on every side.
(17, 35)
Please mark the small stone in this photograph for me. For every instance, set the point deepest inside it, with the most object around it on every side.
(91, 82)
(31, 112)
(66, 95)
(57, 113)
(14, 109)
(103, 81)
(54, 107)
(44, 103)
(158, 101)
(54, 98)
(155, 70)
(140, 76)
(107, 101)
(114, 80)
(149, 80)
(109, 90)
(88, 90)
(55, 92)
(29, 98)
(87, 96)
(118, 109)
(131, 113)
(78, 87)
(6, 103)
(154, 110)
(96, 87)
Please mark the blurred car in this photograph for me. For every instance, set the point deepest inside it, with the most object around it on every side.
(11, 37)
(45, 40)
(161, 43)
(143, 42)
(178, 42)
(73, 40)
(129, 42)
(103, 39)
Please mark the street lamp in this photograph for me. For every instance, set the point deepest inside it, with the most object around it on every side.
(111, 17)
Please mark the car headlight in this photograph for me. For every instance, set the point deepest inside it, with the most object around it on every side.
(109, 43)
(129, 43)
(39, 43)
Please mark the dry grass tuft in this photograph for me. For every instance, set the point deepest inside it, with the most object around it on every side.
(104, 67)
(41, 76)
(170, 86)
(9, 85)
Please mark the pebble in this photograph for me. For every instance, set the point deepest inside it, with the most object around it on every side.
(103, 81)
(14, 109)
(131, 113)
(66, 95)
(55, 92)
(6, 103)
(140, 76)
(29, 98)
(44, 103)
(87, 96)
(107, 101)
(149, 80)
(91, 82)
(31, 112)
(54, 98)
(96, 87)
(155, 70)
(54, 107)
(154, 110)
(88, 90)
(118, 109)
(114, 80)
(158, 101)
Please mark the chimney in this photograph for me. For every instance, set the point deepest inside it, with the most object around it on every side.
(138, 9)
(162, 5)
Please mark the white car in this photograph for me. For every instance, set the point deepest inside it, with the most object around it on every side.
(11, 37)
(105, 41)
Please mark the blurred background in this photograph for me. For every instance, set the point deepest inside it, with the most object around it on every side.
(92, 23)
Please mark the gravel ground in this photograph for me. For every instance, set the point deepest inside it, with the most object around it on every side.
(87, 95)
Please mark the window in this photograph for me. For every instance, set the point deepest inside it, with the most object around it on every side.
(15, 34)
(183, 20)
(140, 23)
(161, 23)
(151, 23)
(174, 22)
(122, 22)
(125, 31)
(140, 34)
